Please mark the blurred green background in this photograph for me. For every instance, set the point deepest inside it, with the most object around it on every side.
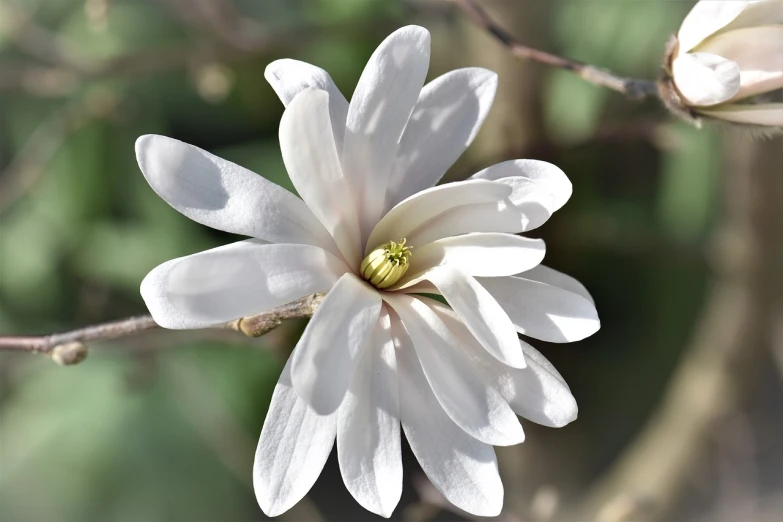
(162, 427)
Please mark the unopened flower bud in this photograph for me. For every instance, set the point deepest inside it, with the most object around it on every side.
(727, 61)
(386, 264)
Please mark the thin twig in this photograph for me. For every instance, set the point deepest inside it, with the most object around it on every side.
(633, 88)
(69, 347)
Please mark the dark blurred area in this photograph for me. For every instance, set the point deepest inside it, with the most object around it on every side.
(674, 230)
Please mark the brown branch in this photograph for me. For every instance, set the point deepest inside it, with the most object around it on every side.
(633, 88)
(69, 347)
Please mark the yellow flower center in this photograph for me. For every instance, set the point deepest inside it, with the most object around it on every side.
(386, 264)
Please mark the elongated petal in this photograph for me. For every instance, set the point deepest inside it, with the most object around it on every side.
(544, 311)
(292, 450)
(496, 216)
(368, 426)
(706, 18)
(532, 199)
(758, 51)
(470, 401)
(706, 79)
(290, 77)
(463, 469)
(236, 280)
(538, 393)
(548, 176)
(481, 313)
(770, 114)
(310, 156)
(550, 276)
(380, 107)
(417, 210)
(225, 196)
(481, 254)
(327, 353)
(446, 119)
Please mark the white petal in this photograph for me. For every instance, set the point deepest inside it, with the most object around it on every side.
(290, 77)
(496, 216)
(758, 114)
(464, 470)
(444, 123)
(311, 158)
(532, 199)
(236, 280)
(368, 426)
(550, 276)
(538, 393)
(758, 51)
(225, 196)
(380, 107)
(705, 79)
(481, 313)
(706, 18)
(417, 210)
(422, 287)
(292, 450)
(485, 255)
(544, 311)
(327, 353)
(549, 176)
(465, 396)
(758, 12)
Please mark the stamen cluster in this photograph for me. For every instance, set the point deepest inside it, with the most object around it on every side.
(386, 264)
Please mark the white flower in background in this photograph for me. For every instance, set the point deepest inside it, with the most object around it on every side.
(727, 53)
(373, 232)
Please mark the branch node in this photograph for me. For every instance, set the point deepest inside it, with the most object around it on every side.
(70, 353)
(256, 325)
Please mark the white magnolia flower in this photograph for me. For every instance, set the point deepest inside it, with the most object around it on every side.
(377, 355)
(729, 51)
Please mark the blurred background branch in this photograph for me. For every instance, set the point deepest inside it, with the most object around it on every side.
(730, 341)
(222, 34)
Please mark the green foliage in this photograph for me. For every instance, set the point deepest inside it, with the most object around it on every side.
(117, 440)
